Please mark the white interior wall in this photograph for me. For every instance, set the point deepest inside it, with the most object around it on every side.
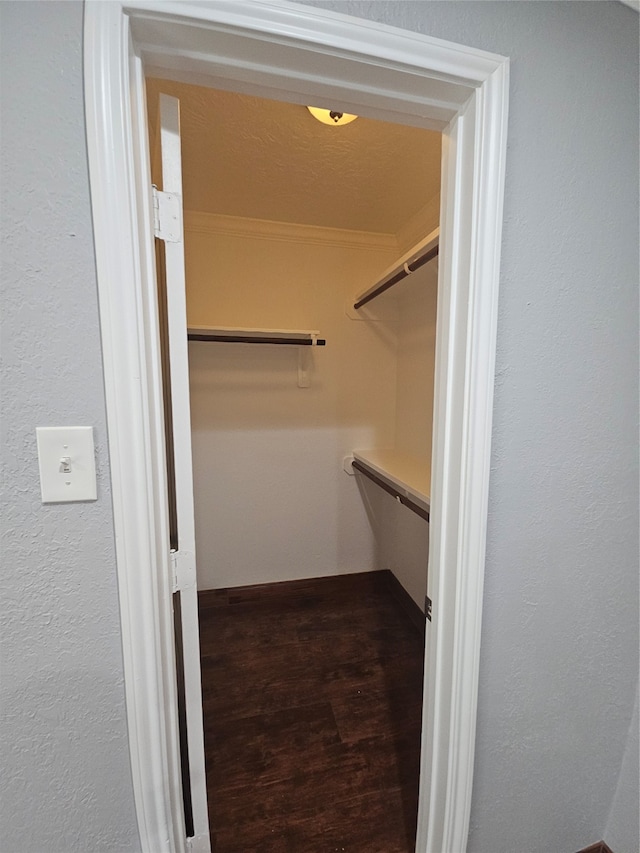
(259, 442)
(402, 539)
(402, 536)
(406, 551)
(272, 500)
(417, 304)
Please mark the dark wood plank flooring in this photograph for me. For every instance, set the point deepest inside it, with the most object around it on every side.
(312, 696)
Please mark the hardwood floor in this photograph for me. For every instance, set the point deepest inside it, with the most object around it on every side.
(312, 696)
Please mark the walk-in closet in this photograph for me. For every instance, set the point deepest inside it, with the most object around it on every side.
(311, 258)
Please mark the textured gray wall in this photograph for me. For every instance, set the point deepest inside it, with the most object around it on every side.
(560, 646)
(65, 784)
(559, 664)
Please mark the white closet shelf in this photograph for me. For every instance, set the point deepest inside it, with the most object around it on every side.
(233, 335)
(406, 477)
(423, 252)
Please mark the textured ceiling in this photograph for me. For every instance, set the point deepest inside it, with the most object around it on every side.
(251, 157)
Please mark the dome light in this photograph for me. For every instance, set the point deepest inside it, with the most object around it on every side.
(332, 117)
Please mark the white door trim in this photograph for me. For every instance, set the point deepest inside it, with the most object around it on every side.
(290, 52)
(184, 558)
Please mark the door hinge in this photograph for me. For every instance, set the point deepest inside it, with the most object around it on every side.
(199, 843)
(427, 608)
(167, 216)
(183, 570)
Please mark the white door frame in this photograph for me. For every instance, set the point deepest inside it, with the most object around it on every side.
(296, 53)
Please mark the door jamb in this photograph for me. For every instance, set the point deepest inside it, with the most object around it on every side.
(276, 45)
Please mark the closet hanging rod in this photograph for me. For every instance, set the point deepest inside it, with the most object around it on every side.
(405, 270)
(283, 337)
(404, 500)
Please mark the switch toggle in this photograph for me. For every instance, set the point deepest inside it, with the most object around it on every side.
(66, 458)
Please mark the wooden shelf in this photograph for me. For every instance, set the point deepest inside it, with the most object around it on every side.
(233, 335)
(405, 476)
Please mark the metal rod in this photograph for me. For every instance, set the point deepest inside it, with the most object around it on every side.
(248, 339)
(404, 500)
(402, 273)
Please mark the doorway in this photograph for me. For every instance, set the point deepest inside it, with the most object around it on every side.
(298, 53)
(274, 500)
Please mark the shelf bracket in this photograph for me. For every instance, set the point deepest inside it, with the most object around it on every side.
(303, 367)
(401, 496)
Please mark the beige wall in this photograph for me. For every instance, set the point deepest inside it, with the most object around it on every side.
(272, 500)
(406, 549)
(417, 304)
(402, 536)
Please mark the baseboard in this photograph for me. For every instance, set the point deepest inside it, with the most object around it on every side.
(383, 579)
(413, 612)
(599, 847)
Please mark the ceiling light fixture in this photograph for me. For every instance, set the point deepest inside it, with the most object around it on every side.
(331, 116)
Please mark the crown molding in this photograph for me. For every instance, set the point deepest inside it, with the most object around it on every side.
(200, 222)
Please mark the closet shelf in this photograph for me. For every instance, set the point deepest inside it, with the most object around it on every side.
(404, 476)
(231, 335)
(426, 250)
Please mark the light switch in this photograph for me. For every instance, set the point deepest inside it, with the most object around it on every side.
(67, 464)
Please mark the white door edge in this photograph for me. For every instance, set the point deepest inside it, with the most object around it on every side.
(464, 89)
(184, 560)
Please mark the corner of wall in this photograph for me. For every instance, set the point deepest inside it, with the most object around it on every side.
(419, 225)
(622, 832)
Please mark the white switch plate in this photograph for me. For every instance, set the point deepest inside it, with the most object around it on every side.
(67, 464)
